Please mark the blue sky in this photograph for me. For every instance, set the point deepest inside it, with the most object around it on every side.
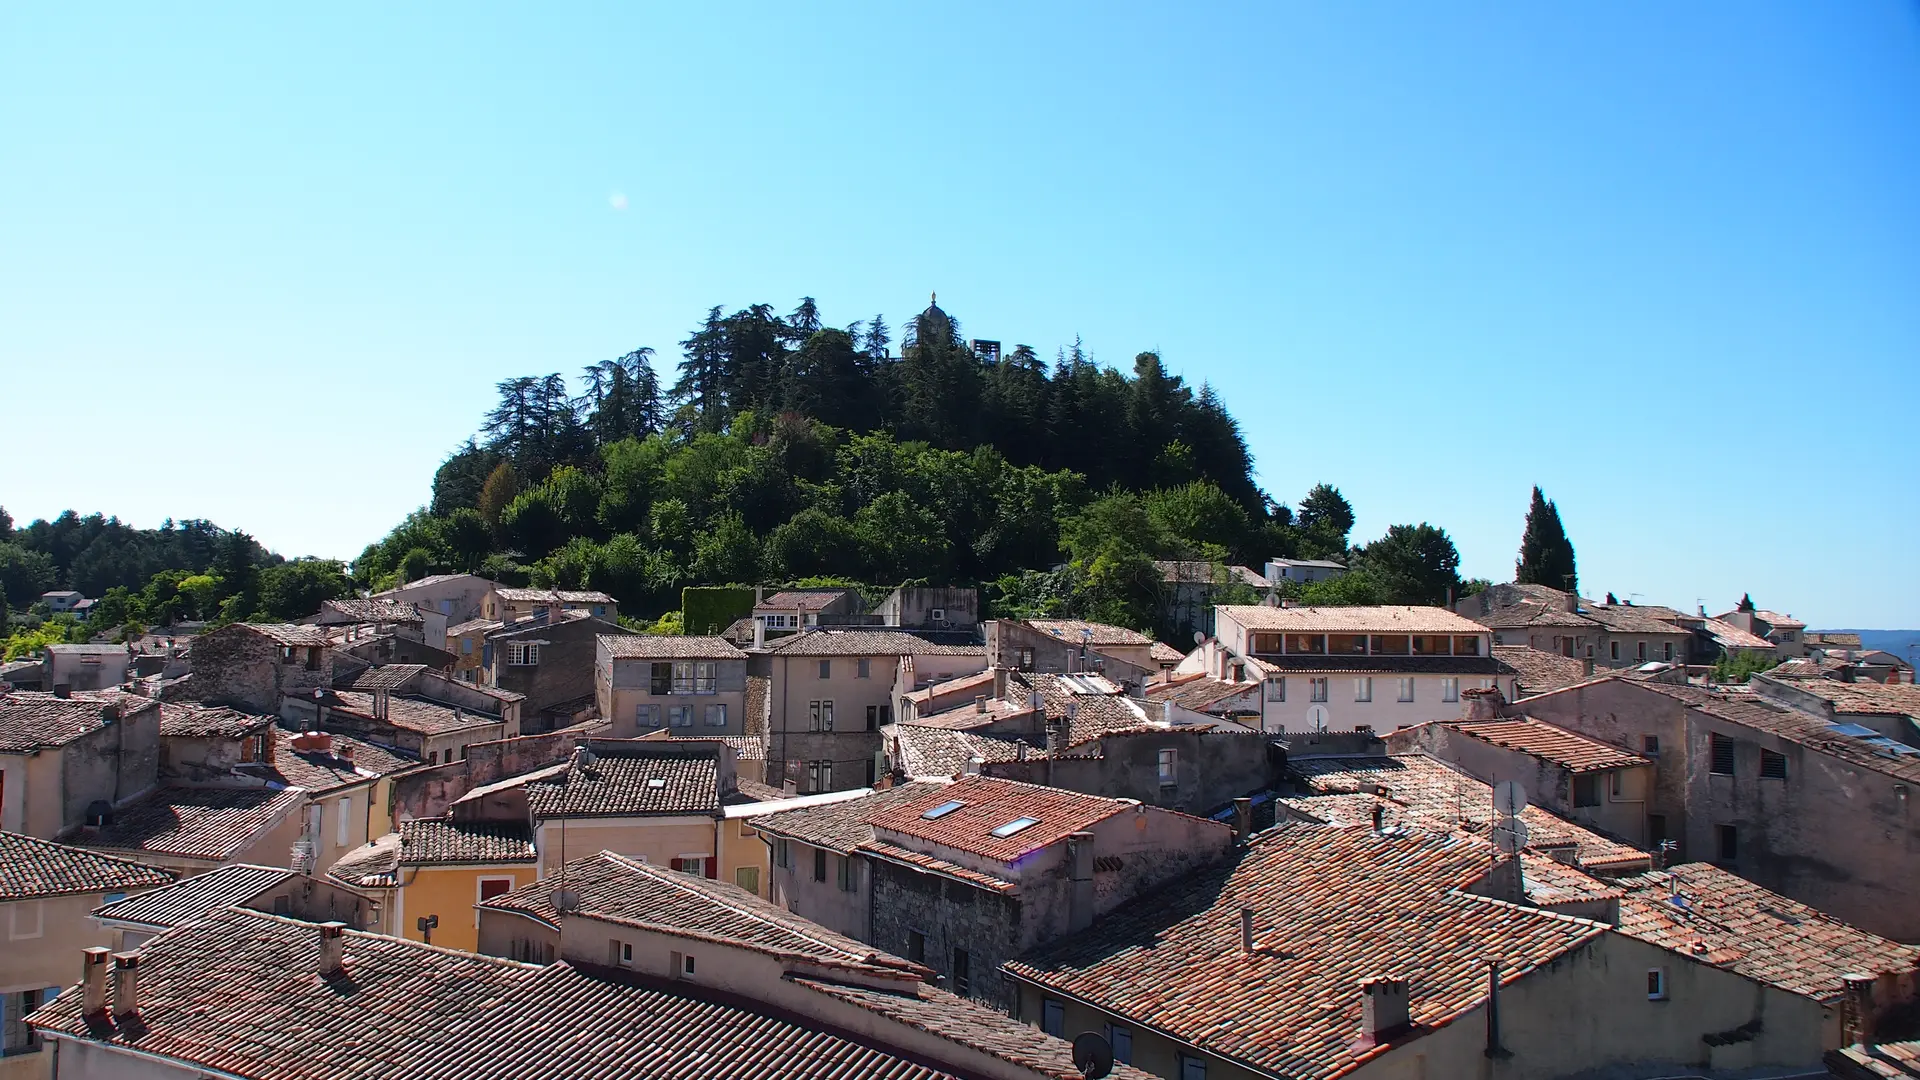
(263, 265)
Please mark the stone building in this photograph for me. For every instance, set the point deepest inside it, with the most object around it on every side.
(88, 667)
(254, 666)
(549, 660)
(1815, 810)
(818, 867)
(1074, 646)
(687, 685)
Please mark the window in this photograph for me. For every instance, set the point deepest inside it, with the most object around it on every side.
(826, 669)
(26, 919)
(846, 875)
(691, 864)
(1656, 984)
(660, 680)
(1023, 658)
(1722, 753)
(1317, 689)
(1586, 790)
(1729, 842)
(1277, 689)
(1122, 1042)
(1449, 689)
(1613, 649)
(491, 887)
(942, 810)
(1169, 768)
(313, 658)
(1017, 825)
(748, 878)
(1192, 1068)
(820, 715)
(716, 716)
(706, 677)
(1651, 745)
(1053, 1018)
(1666, 651)
(916, 946)
(819, 864)
(343, 821)
(1589, 652)
(522, 654)
(873, 718)
(647, 716)
(1406, 689)
(782, 854)
(1773, 766)
(1363, 689)
(962, 972)
(1619, 782)
(863, 668)
(686, 964)
(1640, 650)
(820, 777)
(621, 951)
(680, 715)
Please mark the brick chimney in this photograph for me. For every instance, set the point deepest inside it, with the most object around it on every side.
(93, 980)
(333, 947)
(1481, 704)
(126, 983)
(1856, 1009)
(1385, 1009)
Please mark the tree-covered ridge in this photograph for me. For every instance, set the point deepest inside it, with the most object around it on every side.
(787, 449)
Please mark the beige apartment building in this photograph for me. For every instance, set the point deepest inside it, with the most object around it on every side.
(684, 685)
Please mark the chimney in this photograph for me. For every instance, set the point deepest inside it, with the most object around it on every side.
(1494, 1048)
(126, 983)
(980, 703)
(1587, 666)
(1573, 603)
(1856, 1009)
(1243, 818)
(999, 683)
(1057, 736)
(345, 752)
(1384, 1009)
(1020, 751)
(759, 632)
(333, 947)
(974, 763)
(1246, 930)
(1482, 704)
(1080, 877)
(63, 691)
(93, 980)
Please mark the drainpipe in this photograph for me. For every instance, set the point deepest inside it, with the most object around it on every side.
(1494, 1049)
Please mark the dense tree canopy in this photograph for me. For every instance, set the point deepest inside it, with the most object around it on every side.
(1546, 555)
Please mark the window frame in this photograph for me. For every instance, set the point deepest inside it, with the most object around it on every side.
(1319, 689)
(1277, 689)
(1167, 767)
(1721, 746)
(1053, 1017)
(1657, 988)
(712, 709)
(1772, 766)
(1363, 688)
(1586, 790)
(1406, 689)
(1449, 688)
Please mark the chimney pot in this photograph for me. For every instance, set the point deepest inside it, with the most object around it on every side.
(333, 947)
(126, 983)
(93, 980)
(980, 703)
(1384, 1008)
(1246, 930)
(1243, 817)
(1587, 666)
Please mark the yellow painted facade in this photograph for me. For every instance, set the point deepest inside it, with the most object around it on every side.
(744, 858)
(450, 891)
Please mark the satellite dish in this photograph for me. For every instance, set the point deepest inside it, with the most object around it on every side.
(1317, 717)
(1199, 637)
(565, 900)
(1510, 836)
(1509, 798)
(319, 693)
(1092, 1055)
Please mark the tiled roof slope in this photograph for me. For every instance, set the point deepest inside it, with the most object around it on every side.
(1528, 614)
(414, 714)
(195, 897)
(1735, 639)
(372, 865)
(1423, 791)
(630, 780)
(803, 599)
(376, 610)
(1881, 1061)
(1333, 907)
(31, 720)
(187, 719)
(1833, 639)
(1886, 699)
(987, 803)
(1630, 619)
(1198, 692)
(442, 840)
(289, 634)
(840, 826)
(1725, 919)
(1748, 710)
(325, 770)
(944, 753)
(196, 823)
(669, 647)
(384, 677)
(31, 868)
(1074, 631)
(818, 642)
(617, 887)
(1567, 749)
(1391, 619)
(408, 1011)
(1538, 670)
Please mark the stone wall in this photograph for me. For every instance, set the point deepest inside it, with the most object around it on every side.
(565, 670)
(238, 666)
(1211, 769)
(951, 916)
(115, 764)
(426, 793)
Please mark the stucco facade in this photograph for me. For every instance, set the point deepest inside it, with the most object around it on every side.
(687, 695)
(450, 892)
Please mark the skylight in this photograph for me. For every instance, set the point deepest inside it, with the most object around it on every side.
(656, 782)
(943, 809)
(1014, 826)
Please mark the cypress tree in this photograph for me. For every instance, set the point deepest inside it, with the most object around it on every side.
(1546, 555)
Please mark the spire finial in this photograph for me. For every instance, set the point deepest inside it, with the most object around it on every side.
(933, 298)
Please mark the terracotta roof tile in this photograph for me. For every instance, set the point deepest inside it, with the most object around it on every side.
(386, 677)
(1738, 925)
(414, 714)
(1897, 699)
(1734, 639)
(1527, 614)
(669, 647)
(373, 611)
(195, 823)
(195, 897)
(1749, 710)
(1881, 1061)
(630, 777)
(887, 643)
(1332, 907)
(1094, 634)
(31, 721)
(839, 826)
(31, 868)
(1567, 749)
(442, 840)
(1538, 670)
(931, 752)
(1199, 692)
(293, 635)
(372, 865)
(988, 803)
(803, 600)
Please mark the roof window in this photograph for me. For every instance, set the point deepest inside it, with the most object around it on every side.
(1014, 826)
(943, 809)
(656, 782)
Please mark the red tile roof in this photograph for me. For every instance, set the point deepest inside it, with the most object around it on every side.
(31, 721)
(1332, 907)
(1569, 750)
(840, 826)
(1538, 670)
(32, 868)
(668, 647)
(428, 841)
(986, 804)
(1389, 619)
(1074, 631)
(195, 823)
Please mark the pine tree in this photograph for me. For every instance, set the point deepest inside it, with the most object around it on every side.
(874, 343)
(1546, 555)
(703, 373)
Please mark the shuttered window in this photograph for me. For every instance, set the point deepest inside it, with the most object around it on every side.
(1722, 753)
(1773, 766)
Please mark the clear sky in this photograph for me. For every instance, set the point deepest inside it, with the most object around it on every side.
(263, 264)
